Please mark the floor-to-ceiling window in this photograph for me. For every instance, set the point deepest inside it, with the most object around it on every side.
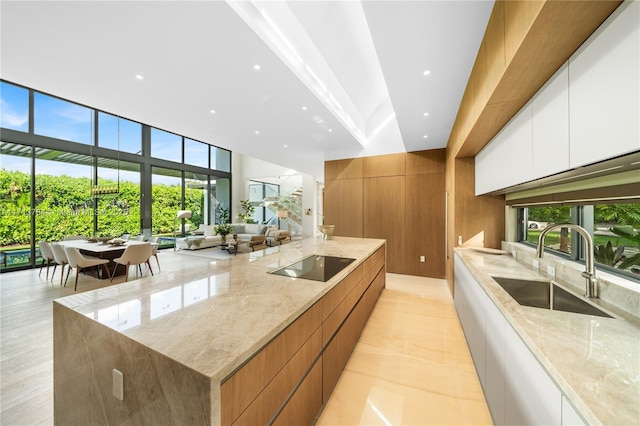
(119, 134)
(165, 145)
(167, 200)
(15, 214)
(63, 201)
(61, 119)
(197, 193)
(94, 173)
(118, 212)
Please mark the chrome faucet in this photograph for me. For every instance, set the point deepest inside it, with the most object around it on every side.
(590, 267)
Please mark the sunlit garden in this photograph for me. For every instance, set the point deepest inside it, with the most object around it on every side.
(616, 233)
(65, 206)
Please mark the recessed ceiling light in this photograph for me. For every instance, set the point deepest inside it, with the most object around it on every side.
(304, 108)
(256, 67)
(139, 77)
(285, 146)
(426, 114)
(330, 130)
(213, 111)
(257, 132)
(426, 72)
(425, 136)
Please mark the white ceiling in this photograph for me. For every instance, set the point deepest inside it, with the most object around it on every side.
(198, 56)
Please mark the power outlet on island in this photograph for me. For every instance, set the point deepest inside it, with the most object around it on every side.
(422, 259)
(118, 384)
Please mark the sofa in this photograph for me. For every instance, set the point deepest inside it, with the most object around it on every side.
(253, 234)
(204, 237)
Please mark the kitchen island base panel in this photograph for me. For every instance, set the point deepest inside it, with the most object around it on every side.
(337, 336)
(157, 390)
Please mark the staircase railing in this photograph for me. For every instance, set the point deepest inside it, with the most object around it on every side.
(292, 203)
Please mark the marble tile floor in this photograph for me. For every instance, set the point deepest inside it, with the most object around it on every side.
(410, 366)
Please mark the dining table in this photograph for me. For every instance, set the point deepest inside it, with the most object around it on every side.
(103, 250)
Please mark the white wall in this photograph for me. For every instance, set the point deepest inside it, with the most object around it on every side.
(246, 168)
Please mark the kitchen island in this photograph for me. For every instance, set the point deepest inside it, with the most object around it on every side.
(229, 344)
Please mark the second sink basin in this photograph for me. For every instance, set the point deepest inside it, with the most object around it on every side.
(547, 295)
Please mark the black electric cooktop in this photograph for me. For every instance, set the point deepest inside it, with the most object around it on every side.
(315, 267)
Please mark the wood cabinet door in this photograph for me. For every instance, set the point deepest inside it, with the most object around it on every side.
(385, 216)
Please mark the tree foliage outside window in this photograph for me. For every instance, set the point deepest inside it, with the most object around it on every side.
(616, 233)
(64, 205)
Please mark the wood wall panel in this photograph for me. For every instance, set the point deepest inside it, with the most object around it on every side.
(525, 43)
(385, 216)
(384, 165)
(494, 52)
(519, 16)
(477, 217)
(432, 161)
(343, 204)
(349, 168)
(425, 220)
(383, 212)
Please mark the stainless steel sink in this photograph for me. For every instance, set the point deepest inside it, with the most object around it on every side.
(547, 295)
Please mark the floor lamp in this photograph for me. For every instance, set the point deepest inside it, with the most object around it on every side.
(182, 214)
(281, 214)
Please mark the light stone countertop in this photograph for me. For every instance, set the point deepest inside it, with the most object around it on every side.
(214, 321)
(595, 361)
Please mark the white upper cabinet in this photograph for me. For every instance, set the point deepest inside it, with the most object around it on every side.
(589, 111)
(550, 109)
(507, 160)
(489, 174)
(604, 95)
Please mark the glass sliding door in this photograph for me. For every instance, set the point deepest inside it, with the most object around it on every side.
(15, 206)
(166, 192)
(221, 199)
(63, 200)
(118, 213)
(197, 193)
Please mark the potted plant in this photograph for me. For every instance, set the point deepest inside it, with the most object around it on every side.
(223, 230)
(248, 209)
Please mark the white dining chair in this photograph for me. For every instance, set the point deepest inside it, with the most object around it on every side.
(134, 254)
(78, 262)
(47, 256)
(60, 257)
(154, 249)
